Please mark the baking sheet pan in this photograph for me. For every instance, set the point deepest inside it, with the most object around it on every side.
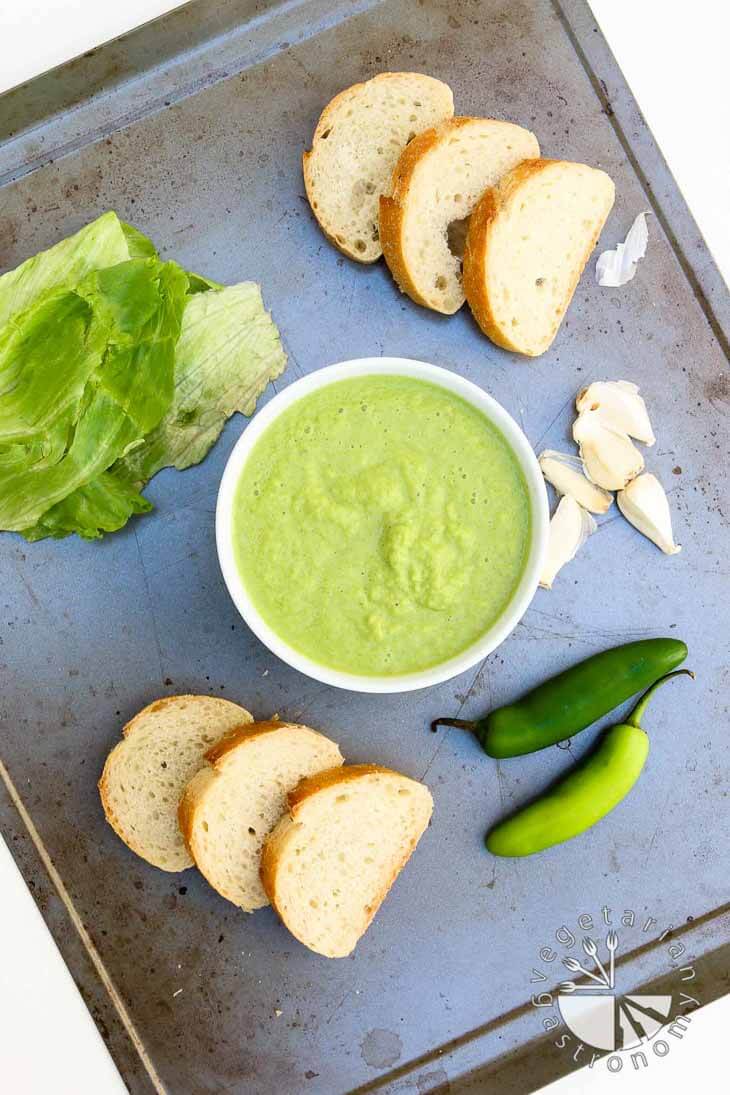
(192, 129)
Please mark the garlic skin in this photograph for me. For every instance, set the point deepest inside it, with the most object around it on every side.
(611, 459)
(644, 503)
(618, 406)
(570, 527)
(617, 267)
(566, 473)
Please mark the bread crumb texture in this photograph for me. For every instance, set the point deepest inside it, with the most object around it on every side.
(329, 864)
(357, 142)
(146, 773)
(231, 806)
(437, 182)
(528, 243)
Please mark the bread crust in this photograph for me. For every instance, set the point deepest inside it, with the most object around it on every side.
(125, 835)
(393, 206)
(349, 251)
(493, 203)
(311, 785)
(195, 790)
(170, 701)
(188, 804)
(475, 254)
(325, 120)
(306, 787)
(242, 733)
(111, 817)
(194, 793)
(276, 840)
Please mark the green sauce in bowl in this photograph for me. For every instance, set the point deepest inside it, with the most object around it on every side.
(381, 525)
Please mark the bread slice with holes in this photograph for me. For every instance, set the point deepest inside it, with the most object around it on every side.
(329, 863)
(529, 240)
(356, 144)
(146, 773)
(230, 806)
(437, 182)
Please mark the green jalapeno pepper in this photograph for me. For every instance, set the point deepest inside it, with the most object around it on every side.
(574, 699)
(585, 795)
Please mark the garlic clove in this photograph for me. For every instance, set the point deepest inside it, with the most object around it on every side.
(644, 503)
(570, 527)
(611, 459)
(567, 474)
(619, 406)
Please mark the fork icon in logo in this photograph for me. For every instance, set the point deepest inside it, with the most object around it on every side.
(603, 978)
(590, 948)
(611, 946)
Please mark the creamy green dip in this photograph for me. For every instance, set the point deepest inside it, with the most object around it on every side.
(381, 525)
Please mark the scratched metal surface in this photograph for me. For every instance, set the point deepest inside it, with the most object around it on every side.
(437, 989)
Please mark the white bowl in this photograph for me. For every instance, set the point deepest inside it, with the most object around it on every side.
(522, 596)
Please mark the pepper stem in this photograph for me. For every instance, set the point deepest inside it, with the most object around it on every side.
(460, 724)
(635, 717)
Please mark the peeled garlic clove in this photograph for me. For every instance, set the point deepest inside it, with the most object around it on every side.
(611, 460)
(619, 406)
(570, 527)
(645, 505)
(566, 474)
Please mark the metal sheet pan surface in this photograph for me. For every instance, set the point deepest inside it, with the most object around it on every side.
(438, 990)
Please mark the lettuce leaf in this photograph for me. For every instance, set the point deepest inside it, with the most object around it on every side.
(109, 380)
(229, 350)
(141, 302)
(103, 505)
(113, 365)
(104, 242)
(44, 372)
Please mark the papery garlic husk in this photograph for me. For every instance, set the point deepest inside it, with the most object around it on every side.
(619, 406)
(611, 459)
(645, 504)
(566, 473)
(570, 527)
(617, 267)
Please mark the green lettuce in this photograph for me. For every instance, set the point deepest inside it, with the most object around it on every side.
(104, 242)
(112, 384)
(114, 364)
(103, 505)
(229, 350)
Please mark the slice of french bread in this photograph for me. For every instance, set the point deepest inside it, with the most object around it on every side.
(232, 804)
(438, 180)
(528, 242)
(329, 863)
(358, 139)
(146, 773)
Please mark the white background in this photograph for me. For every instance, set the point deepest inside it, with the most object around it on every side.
(674, 56)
